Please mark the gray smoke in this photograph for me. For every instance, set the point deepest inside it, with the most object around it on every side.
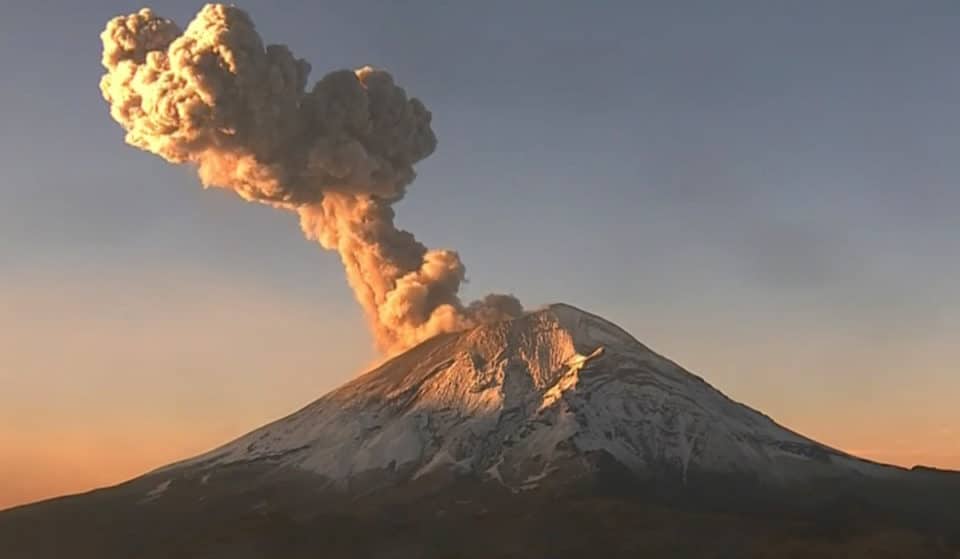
(339, 154)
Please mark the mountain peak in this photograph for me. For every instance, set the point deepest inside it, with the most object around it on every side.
(524, 400)
(582, 326)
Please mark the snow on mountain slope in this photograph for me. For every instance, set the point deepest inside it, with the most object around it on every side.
(516, 401)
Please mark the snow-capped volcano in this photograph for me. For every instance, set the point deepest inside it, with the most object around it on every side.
(555, 434)
(521, 401)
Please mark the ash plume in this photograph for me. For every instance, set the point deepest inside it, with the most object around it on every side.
(339, 154)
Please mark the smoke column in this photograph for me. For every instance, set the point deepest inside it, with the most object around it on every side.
(340, 154)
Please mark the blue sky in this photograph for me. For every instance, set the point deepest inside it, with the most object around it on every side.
(764, 191)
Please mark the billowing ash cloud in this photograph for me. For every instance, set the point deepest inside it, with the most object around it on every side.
(339, 154)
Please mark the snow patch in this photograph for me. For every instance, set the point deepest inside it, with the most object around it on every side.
(440, 460)
(156, 491)
(494, 471)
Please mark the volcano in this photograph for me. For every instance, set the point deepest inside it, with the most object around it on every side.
(552, 420)
(554, 392)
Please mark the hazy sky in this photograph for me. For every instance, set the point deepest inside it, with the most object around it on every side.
(767, 192)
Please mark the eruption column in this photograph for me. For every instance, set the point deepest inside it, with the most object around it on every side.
(340, 154)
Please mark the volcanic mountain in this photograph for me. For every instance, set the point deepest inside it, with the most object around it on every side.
(557, 406)
(516, 402)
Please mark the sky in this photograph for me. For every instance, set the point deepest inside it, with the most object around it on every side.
(764, 191)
